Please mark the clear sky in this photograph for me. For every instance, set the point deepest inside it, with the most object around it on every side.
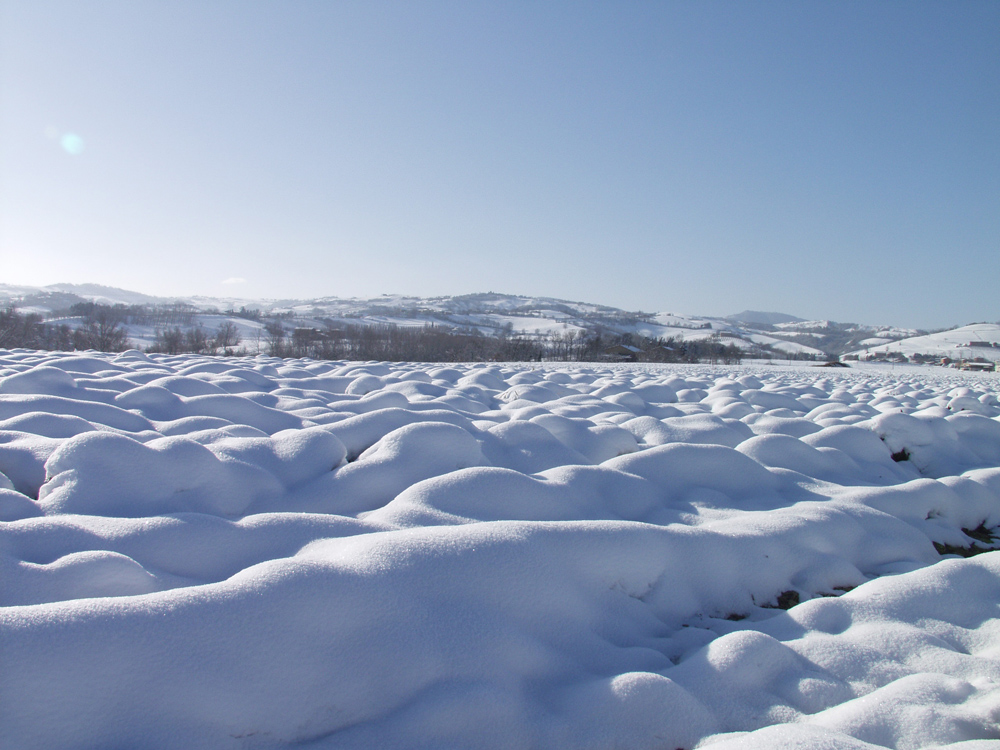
(826, 159)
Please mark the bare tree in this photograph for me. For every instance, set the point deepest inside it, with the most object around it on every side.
(227, 337)
(168, 341)
(196, 340)
(15, 329)
(275, 338)
(103, 330)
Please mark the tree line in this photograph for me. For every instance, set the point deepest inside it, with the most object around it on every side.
(101, 330)
(104, 328)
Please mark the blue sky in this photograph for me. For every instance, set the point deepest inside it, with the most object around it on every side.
(829, 160)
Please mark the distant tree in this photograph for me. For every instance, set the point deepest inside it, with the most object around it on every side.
(196, 340)
(10, 328)
(102, 330)
(244, 312)
(28, 331)
(227, 337)
(56, 337)
(168, 341)
(275, 338)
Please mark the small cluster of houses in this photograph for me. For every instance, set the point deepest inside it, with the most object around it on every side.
(629, 353)
(978, 364)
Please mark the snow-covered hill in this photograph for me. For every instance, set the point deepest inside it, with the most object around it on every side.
(756, 317)
(966, 342)
(487, 313)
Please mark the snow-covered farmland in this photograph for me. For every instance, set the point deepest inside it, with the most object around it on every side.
(258, 553)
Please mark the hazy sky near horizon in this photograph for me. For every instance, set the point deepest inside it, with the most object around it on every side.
(828, 160)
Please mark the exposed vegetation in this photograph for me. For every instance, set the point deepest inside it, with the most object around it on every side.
(901, 455)
(786, 600)
(980, 534)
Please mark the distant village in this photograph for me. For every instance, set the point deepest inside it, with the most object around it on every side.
(971, 361)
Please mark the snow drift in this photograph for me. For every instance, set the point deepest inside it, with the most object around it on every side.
(259, 553)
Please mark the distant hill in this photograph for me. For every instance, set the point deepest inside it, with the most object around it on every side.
(488, 313)
(965, 342)
(763, 318)
(105, 294)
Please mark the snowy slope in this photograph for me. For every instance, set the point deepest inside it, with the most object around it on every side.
(488, 313)
(260, 553)
(959, 343)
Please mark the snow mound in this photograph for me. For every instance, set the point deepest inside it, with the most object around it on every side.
(262, 553)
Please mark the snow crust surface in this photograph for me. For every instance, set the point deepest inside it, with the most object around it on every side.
(258, 553)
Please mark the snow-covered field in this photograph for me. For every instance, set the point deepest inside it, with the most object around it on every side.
(258, 553)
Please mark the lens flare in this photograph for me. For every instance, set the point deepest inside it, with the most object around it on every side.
(72, 144)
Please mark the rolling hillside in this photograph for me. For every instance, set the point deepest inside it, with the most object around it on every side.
(756, 333)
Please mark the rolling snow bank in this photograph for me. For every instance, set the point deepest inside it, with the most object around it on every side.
(259, 553)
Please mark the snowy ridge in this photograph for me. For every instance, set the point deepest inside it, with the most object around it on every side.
(254, 552)
(488, 313)
(766, 318)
